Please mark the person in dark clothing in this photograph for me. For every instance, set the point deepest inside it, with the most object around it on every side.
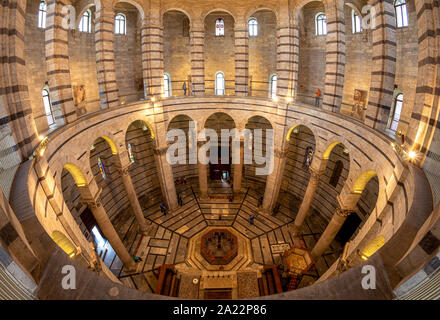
(137, 259)
(184, 88)
(251, 219)
(163, 209)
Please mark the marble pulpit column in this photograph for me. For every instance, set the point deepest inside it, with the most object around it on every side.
(132, 198)
(107, 228)
(330, 232)
(307, 200)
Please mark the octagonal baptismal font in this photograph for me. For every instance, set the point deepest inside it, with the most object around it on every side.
(219, 249)
(219, 246)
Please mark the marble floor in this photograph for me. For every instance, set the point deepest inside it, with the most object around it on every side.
(169, 235)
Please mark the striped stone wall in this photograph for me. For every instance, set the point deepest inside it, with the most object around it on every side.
(219, 53)
(335, 56)
(325, 199)
(183, 170)
(384, 65)
(296, 175)
(177, 50)
(14, 97)
(113, 196)
(57, 64)
(143, 171)
(105, 57)
(152, 57)
(197, 41)
(241, 38)
(263, 53)
(286, 38)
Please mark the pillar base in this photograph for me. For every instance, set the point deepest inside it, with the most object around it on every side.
(204, 197)
(264, 212)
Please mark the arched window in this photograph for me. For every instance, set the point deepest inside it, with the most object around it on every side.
(220, 83)
(120, 24)
(397, 112)
(101, 168)
(337, 171)
(401, 13)
(321, 24)
(219, 27)
(47, 107)
(356, 22)
(166, 85)
(130, 152)
(42, 12)
(253, 27)
(85, 24)
(273, 86)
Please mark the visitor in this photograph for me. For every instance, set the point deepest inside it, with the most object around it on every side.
(318, 97)
(163, 209)
(179, 200)
(251, 219)
(137, 259)
(184, 88)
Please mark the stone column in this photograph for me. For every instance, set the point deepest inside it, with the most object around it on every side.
(238, 170)
(105, 56)
(330, 232)
(14, 96)
(197, 40)
(203, 175)
(334, 56)
(241, 38)
(152, 57)
(285, 59)
(104, 223)
(57, 62)
(273, 182)
(166, 180)
(307, 200)
(383, 71)
(132, 198)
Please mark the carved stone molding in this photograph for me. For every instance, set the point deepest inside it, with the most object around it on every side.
(343, 212)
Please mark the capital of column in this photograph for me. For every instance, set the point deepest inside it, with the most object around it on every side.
(279, 153)
(344, 213)
(160, 150)
(88, 199)
(315, 174)
(124, 170)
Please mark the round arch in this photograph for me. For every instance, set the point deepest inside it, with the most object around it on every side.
(64, 243)
(77, 174)
(146, 123)
(372, 247)
(256, 10)
(260, 116)
(83, 10)
(176, 117)
(204, 15)
(299, 6)
(292, 129)
(134, 3)
(362, 181)
(219, 113)
(110, 143)
(178, 10)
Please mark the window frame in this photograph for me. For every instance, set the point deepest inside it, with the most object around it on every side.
(320, 31)
(401, 10)
(120, 22)
(355, 24)
(167, 85)
(253, 27)
(395, 120)
(220, 32)
(273, 90)
(47, 106)
(217, 89)
(42, 15)
(88, 16)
